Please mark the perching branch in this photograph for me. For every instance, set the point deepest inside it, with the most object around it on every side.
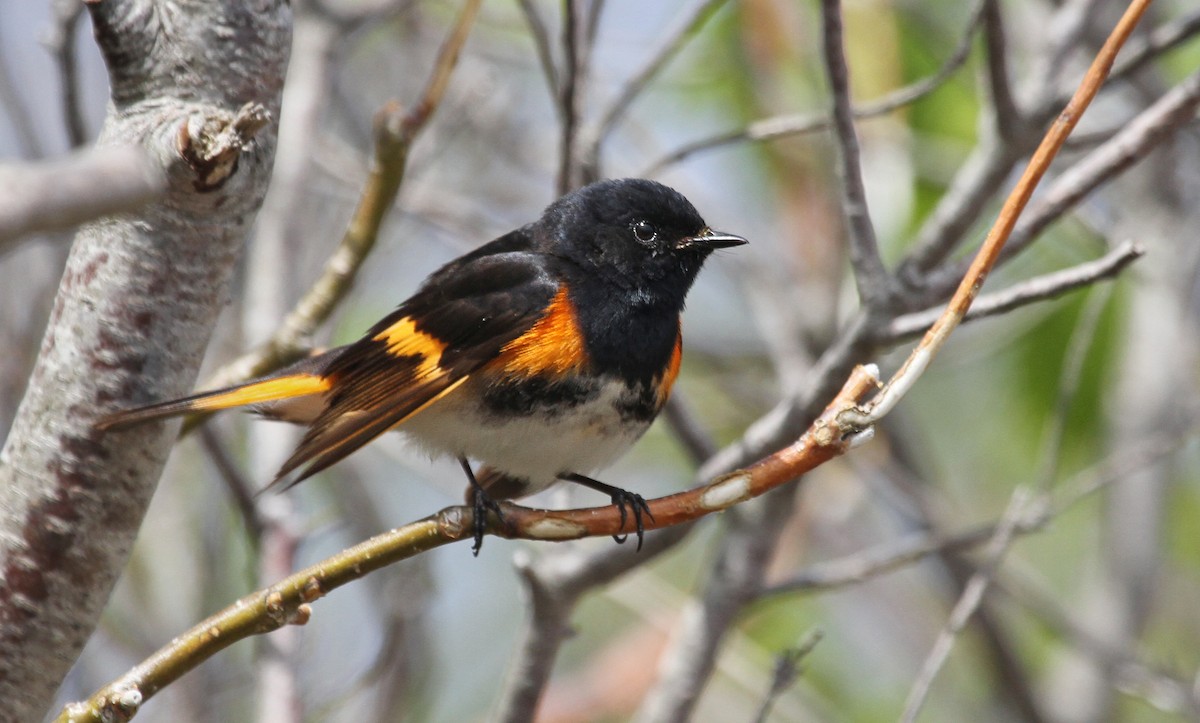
(289, 601)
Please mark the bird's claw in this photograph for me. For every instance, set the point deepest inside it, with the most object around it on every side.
(625, 499)
(482, 503)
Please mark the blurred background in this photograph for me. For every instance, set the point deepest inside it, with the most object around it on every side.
(1087, 401)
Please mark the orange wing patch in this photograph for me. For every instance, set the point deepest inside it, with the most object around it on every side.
(553, 345)
(672, 370)
(404, 339)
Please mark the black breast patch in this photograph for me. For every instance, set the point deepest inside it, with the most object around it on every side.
(542, 394)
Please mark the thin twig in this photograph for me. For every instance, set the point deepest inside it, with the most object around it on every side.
(306, 92)
(870, 276)
(395, 131)
(562, 577)
(972, 282)
(1133, 142)
(706, 620)
(1159, 41)
(695, 439)
(60, 41)
(14, 106)
(1064, 37)
(1023, 506)
(769, 129)
(1151, 127)
(568, 99)
(873, 562)
(235, 482)
(545, 54)
(1039, 288)
(969, 194)
(1033, 503)
(1007, 117)
(1082, 338)
(671, 41)
(587, 36)
(867, 564)
(1163, 690)
(787, 672)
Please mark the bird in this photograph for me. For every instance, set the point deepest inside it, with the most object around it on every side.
(543, 355)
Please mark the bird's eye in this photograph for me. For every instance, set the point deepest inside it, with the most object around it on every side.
(645, 231)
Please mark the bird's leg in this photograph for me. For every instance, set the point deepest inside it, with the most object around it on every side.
(481, 502)
(622, 499)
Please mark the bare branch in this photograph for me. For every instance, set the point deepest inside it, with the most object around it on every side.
(1022, 509)
(769, 129)
(1159, 41)
(671, 41)
(280, 222)
(396, 131)
(547, 622)
(698, 442)
(18, 114)
(541, 43)
(61, 194)
(894, 555)
(888, 557)
(1040, 288)
(562, 577)
(1132, 143)
(1166, 691)
(691, 654)
(288, 602)
(970, 192)
(60, 40)
(871, 278)
(988, 254)
(569, 99)
(787, 672)
(1026, 505)
(1008, 119)
(235, 482)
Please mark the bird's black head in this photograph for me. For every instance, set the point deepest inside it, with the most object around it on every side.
(638, 236)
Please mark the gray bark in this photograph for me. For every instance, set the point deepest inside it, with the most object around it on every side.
(137, 302)
(62, 194)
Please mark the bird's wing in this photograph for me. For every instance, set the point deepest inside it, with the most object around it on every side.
(471, 313)
(475, 310)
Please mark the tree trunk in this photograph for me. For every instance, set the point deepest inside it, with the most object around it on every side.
(192, 84)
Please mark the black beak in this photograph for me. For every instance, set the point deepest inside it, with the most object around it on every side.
(709, 239)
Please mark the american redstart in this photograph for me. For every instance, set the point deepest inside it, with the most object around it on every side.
(544, 354)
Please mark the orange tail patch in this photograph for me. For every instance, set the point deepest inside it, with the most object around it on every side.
(257, 392)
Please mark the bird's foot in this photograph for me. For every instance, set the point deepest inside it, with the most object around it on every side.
(625, 501)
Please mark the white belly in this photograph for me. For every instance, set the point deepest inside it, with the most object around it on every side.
(581, 438)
